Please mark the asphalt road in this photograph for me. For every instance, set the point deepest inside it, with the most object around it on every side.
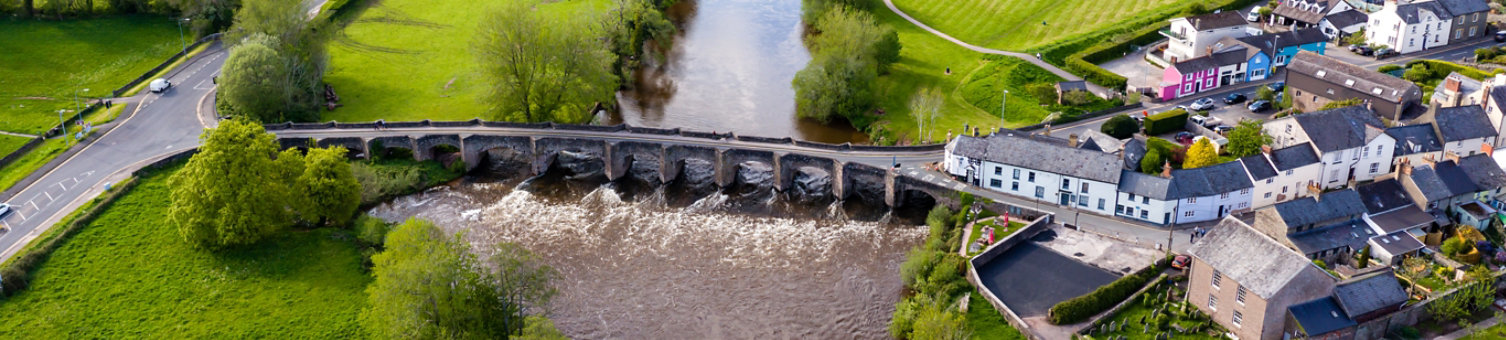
(154, 126)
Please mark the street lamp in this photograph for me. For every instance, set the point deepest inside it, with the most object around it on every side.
(181, 39)
(62, 124)
(77, 105)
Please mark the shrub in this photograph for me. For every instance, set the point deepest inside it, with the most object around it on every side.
(1453, 246)
(1080, 308)
(1165, 122)
(1418, 72)
(1121, 127)
(1388, 68)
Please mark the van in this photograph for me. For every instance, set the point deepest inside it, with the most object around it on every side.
(1254, 14)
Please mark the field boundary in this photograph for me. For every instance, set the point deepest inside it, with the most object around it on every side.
(25, 148)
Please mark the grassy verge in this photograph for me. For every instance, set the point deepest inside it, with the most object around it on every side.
(191, 53)
(9, 143)
(1018, 25)
(986, 322)
(33, 160)
(408, 60)
(129, 274)
(1494, 332)
(45, 62)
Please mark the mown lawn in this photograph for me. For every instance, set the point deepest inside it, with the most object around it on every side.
(44, 62)
(129, 275)
(407, 60)
(986, 323)
(1016, 25)
(9, 143)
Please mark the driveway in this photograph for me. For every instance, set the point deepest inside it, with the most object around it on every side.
(1030, 278)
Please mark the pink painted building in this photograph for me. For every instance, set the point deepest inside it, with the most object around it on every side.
(1189, 77)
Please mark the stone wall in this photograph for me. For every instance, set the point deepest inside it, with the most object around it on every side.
(999, 248)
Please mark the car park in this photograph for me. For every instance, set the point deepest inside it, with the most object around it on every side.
(1234, 98)
(1259, 105)
(1204, 104)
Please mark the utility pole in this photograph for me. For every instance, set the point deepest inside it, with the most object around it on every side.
(77, 105)
(62, 124)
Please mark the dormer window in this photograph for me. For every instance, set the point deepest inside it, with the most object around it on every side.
(1349, 82)
(1377, 91)
(1321, 73)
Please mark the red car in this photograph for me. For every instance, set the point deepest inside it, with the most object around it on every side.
(1181, 262)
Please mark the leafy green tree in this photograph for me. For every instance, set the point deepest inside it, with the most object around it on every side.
(1358, 38)
(1265, 93)
(543, 68)
(1153, 162)
(429, 285)
(634, 25)
(232, 192)
(1121, 127)
(1044, 94)
(938, 322)
(849, 51)
(811, 11)
(1247, 138)
(252, 81)
(332, 192)
(206, 16)
(1364, 258)
(540, 328)
(1341, 104)
(1419, 72)
(1201, 154)
(283, 26)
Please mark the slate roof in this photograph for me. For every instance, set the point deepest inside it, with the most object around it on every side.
(1255, 261)
(1333, 205)
(1364, 295)
(1104, 142)
(1351, 234)
(1152, 186)
(1021, 150)
(1339, 129)
(1230, 57)
(1196, 64)
(1498, 94)
(1347, 18)
(1397, 242)
(1413, 139)
(1210, 180)
(1299, 14)
(1411, 13)
(1467, 85)
(1462, 123)
(1399, 220)
(1441, 181)
(1226, 44)
(1134, 150)
(1294, 156)
(1258, 167)
(1320, 316)
(1338, 72)
(1269, 42)
(1483, 171)
(1072, 85)
(1383, 195)
(1462, 7)
(1217, 20)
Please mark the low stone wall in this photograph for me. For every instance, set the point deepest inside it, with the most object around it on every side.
(999, 248)
(25, 148)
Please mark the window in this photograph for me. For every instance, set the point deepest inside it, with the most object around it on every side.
(1084, 187)
(998, 170)
(1460, 33)
(1145, 200)
(1269, 180)
(1244, 191)
(1082, 201)
(1016, 174)
(1268, 195)
(1119, 208)
(1187, 214)
(996, 183)
(1066, 184)
(1366, 151)
(1212, 302)
(1032, 177)
(1238, 318)
(1374, 167)
(1472, 29)
(1142, 214)
(1192, 200)
(1040, 192)
(1240, 295)
(1289, 172)
(1187, 88)
(1283, 189)
(1132, 197)
(1014, 186)
(1223, 196)
(1100, 204)
(1218, 277)
(1476, 19)
(1209, 82)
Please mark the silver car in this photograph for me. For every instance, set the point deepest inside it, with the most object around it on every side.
(4, 209)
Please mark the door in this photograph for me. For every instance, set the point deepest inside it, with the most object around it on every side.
(1066, 198)
(1220, 211)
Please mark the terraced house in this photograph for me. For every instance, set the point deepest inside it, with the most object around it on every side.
(1316, 80)
(1350, 141)
(1412, 26)
(1037, 167)
(1246, 281)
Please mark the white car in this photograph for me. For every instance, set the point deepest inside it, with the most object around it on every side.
(159, 85)
(1204, 104)
(4, 209)
(1254, 14)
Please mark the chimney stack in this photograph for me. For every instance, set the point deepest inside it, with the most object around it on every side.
(1166, 170)
(1487, 149)
(1072, 140)
(1452, 156)
(1265, 149)
(1405, 167)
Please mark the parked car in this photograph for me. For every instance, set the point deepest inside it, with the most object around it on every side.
(1385, 52)
(1181, 262)
(1259, 105)
(1184, 137)
(1277, 86)
(1210, 122)
(1204, 104)
(4, 209)
(1234, 98)
(159, 85)
(1222, 129)
(1254, 14)
(1500, 36)
(1361, 50)
(1197, 119)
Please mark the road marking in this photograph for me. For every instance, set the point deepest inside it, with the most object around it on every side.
(33, 204)
(929, 177)
(168, 147)
(60, 185)
(49, 196)
(23, 217)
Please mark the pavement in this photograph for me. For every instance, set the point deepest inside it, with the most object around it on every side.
(157, 125)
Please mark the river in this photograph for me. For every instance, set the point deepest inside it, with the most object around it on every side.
(648, 269)
(730, 70)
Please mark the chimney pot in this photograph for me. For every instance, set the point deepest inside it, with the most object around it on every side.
(1166, 170)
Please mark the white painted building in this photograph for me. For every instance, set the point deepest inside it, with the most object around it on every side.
(1350, 141)
(1409, 27)
(1193, 37)
(1037, 168)
(1464, 130)
(1148, 198)
(1282, 174)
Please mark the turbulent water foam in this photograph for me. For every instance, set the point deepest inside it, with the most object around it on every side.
(642, 270)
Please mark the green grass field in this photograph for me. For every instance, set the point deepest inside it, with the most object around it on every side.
(9, 143)
(15, 171)
(129, 275)
(1015, 25)
(407, 60)
(45, 62)
(986, 323)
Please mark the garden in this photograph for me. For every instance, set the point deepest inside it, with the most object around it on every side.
(937, 298)
(996, 224)
(1427, 74)
(1159, 311)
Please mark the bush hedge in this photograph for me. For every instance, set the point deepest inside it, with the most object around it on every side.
(1440, 69)
(1081, 308)
(1165, 122)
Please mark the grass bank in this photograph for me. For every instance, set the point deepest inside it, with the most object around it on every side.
(408, 60)
(1018, 25)
(45, 62)
(9, 143)
(29, 163)
(129, 274)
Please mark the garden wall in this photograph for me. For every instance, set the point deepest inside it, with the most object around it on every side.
(1023, 235)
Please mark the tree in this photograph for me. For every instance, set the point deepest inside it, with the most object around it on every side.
(232, 192)
(540, 328)
(543, 68)
(1201, 154)
(1077, 97)
(1358, 38)
(937, 322)
(1121, 127)
(1364, 259)
(1247, 139)
(252, 81)
(1044, 94)
(634, 25)
(1153, 162)
(849, 51)
(282, 25)
(331, 190)
(429, 284)
(1341, 104)
(1265, 93)
(1418, 73)
(924, 105)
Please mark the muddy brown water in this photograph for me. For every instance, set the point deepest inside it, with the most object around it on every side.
(730, 70)
(647, 269)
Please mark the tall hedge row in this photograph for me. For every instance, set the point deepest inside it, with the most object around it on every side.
(1081, 308)
(1164, 122)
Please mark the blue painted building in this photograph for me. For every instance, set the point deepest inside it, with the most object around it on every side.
(1267, 53)
(1257, 62)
